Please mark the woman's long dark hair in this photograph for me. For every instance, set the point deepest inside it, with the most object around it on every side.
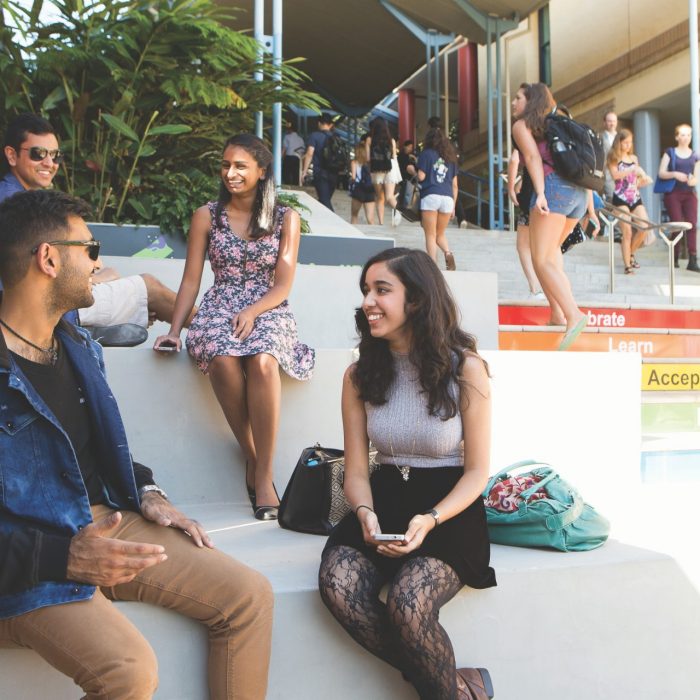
(379, 132)
(540, 103)
(262, 216)
(436, 139)
(438, 343)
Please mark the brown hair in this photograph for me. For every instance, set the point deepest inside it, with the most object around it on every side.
(437, 140)
(360, 151)
(540, 103)
(614, 154)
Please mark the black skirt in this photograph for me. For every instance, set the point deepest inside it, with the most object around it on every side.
(462, 541)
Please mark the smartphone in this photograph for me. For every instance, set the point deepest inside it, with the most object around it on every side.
(166, 348)
(382, 537)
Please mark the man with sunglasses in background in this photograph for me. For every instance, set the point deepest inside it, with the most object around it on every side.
(33, 155)
(81, 524)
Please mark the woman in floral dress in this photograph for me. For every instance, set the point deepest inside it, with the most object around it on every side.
(244, 329)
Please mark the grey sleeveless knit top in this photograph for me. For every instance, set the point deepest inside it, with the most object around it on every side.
(404, 433)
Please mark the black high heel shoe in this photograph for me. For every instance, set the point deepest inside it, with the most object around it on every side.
(267, 512)
(249, 489)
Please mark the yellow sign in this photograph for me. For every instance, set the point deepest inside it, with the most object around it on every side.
(670, 377)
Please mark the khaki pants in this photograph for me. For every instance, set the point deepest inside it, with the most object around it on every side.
(94, 644)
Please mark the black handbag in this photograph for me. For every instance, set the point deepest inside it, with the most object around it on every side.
(408, 201)
(313, 501)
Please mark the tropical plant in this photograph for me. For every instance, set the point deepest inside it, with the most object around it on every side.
(142, 95)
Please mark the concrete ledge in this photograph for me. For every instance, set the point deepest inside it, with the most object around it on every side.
(574, 626)
(324, 298)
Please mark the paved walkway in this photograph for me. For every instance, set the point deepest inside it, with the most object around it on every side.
(586, 264)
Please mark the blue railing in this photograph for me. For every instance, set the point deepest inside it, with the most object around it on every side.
(481, 196)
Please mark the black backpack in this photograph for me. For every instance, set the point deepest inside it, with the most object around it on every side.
(380, 157)
(577, 151)
(334, 154)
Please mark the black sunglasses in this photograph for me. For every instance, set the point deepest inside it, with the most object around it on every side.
(93, 247)
(38, 153)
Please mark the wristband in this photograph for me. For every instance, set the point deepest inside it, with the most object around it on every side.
(434, 514)
(363, 506)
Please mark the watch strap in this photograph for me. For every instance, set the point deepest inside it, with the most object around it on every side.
(151, 488)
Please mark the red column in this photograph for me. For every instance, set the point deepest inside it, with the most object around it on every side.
(467, 89)
(407, 115)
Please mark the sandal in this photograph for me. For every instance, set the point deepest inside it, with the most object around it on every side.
(450, 262)
(474, 684)
(629, 270)
(634, 263)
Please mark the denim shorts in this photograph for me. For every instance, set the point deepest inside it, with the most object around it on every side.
(563, 197)
(437, 202)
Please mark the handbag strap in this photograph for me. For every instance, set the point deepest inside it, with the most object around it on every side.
(521, 465)
(570, 515)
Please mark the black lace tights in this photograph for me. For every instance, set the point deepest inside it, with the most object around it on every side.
(404, 632)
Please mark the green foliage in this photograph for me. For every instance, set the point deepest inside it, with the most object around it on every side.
(289, 199)
(142, 93)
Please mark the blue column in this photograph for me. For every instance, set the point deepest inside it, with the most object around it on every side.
(647, 146)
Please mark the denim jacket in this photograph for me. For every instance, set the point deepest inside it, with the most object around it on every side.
(43, 501)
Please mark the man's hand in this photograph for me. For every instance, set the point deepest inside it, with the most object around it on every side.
(102, 561)
(156, 509)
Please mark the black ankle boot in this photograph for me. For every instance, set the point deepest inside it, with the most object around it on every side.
(693, 263)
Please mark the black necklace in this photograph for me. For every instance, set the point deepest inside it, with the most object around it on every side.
(51, 352)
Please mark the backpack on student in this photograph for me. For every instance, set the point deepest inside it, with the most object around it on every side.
(334, 154)
(577, 151)
(380, 157)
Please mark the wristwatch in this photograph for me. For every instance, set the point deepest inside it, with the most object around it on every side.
(151, 488)
(434, 514)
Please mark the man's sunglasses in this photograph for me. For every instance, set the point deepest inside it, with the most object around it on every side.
(38, 153)
(93, 247)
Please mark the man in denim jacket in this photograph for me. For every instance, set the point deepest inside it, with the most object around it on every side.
(80, 524)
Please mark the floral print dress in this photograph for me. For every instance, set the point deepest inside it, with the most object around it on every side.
(244, 271)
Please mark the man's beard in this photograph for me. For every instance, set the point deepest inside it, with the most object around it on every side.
(70, 291)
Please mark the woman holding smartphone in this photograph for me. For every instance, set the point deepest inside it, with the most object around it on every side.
(420, 392)
(244, 329)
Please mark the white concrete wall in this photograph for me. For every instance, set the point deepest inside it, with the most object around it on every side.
(324, 298)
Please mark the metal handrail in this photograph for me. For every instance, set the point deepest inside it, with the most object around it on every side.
(611, 215)
(481, 183)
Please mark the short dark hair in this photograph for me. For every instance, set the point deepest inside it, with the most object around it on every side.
(28, 219)
(325, 118)
(408, 142)
(23, 124)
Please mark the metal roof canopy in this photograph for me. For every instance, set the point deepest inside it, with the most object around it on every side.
(356, 52)
(359, 51)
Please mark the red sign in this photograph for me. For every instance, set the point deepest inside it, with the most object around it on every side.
(603, 318)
